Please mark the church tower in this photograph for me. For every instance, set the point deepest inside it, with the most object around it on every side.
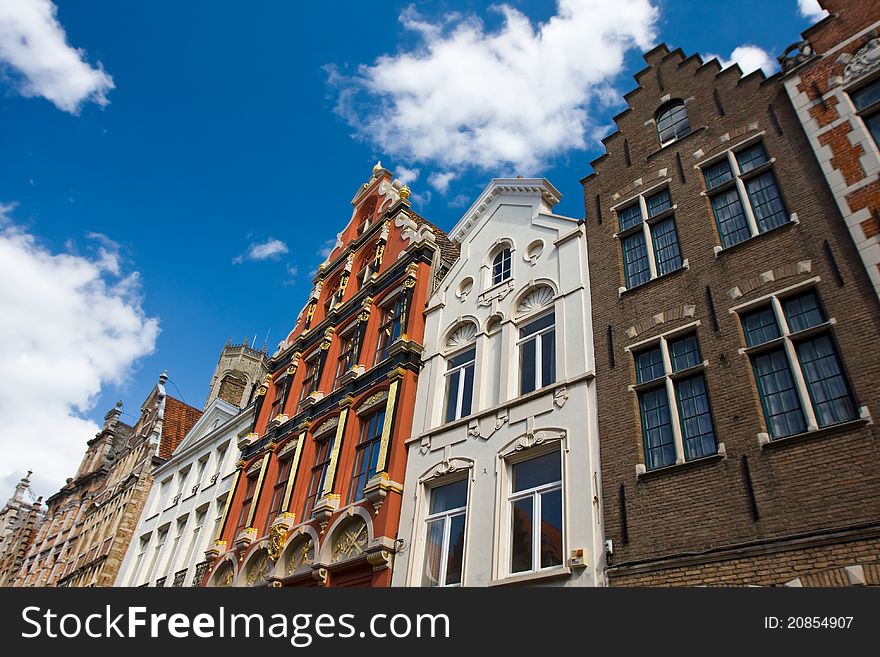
(240, 369)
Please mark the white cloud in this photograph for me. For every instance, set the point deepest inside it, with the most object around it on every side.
(441, 180)
(327, 247)
(750, 58)
(407, 175)
(70, 324)
(468, 96)
(271, 249)
(811, 9)
(34, 45)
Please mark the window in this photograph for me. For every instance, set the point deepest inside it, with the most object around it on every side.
(744, 195)
(536, 513)
(672, 122)
(537, 354)
(319, 474)
(649, 239)
(281, 390)
(798, 372)
(674, 402)
(276, 505)
(501, 266)
(867, 102)
(390, 329)
(160, 542)
(346, 355)
(310, 380)
(246, 504)
(444, 534)
(460, 384)
(366, 455)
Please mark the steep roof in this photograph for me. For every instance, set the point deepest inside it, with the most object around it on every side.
(449, 250)
(178, 420)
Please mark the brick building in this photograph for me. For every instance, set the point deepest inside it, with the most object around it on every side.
(735, 342)
(90, 521)
(833, 79)
(19, 519)
(317, 498)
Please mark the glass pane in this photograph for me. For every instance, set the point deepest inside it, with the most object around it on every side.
(696, 421)
(751, 158)
(760, 326)
(455, 557)
(684, 353)
(521, 536)
(462, 358)
(873, 123)
(829, 391)
(548, 358)
(658, 203)
(718, 174)
(541, 323)
(635, 260)
(537, 472)
(433, 553)
(452, 383)
(673, 123)
(449, 496)
(649, 365)
(732, 224)
(501, 266)
(803, 312)
(468, 395)
(667, 254)
(551, 529)
(527, 364)
(657, 428)
(866, 96)
(630, 216)
(766, 202)
(782, 407)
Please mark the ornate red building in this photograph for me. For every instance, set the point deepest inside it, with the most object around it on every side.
(318, 489)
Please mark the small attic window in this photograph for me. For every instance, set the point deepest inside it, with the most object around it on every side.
(672, 122)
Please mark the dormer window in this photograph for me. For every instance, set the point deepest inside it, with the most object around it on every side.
(501, 266)
(672, 122)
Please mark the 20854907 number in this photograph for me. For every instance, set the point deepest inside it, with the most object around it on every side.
(819, 622)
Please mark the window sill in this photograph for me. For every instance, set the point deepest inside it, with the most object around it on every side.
(766, 442)
(643, 474)
(721, 250)
(675, 142)
(536, 576)
(629, 290)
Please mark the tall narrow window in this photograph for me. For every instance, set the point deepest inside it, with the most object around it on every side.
(444, 534)
(281, 389)
(649, 239)
(390, 329)
(346, 355)
(501, 266)
(250, 487)
(319, 474)
(310, 380)
(744, 194)
(276, 504)
(672, 122)
(154, 560)
(366, 455)
(674, 402)
(797, 368)
(537, 353)
(535, 501)
(460, 384)
(867, 102)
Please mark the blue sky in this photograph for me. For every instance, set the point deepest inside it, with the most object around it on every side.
(228, 125)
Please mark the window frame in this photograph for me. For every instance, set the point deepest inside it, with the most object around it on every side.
(276, 501)
(670, 381)
(366, 444)
(346, 353)
(538, 338)
(737, 184)
(310, 376)
(669, 108)
(447, 517)
(460, 372)
(501, 267)
(388, 321)
(317, 481)
(246, 503)
(871, 111)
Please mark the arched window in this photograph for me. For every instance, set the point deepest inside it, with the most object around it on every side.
(501, 266)
(460, 372)
(672, 122)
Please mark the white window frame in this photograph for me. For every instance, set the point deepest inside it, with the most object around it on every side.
(495, 255)
(458, 370)
(447, 517)
(538, 337)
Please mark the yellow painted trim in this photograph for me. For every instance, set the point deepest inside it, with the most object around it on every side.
(334, 457)
(293, 466)
(219, 530)
(386, 426)
(258, 490)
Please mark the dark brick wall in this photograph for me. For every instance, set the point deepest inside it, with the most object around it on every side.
(830, 480)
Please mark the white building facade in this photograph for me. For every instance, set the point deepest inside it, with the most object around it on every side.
(503, 481)
(187, 502)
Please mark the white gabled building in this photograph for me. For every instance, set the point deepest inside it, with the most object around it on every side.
(188, 499)
(502, 483)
